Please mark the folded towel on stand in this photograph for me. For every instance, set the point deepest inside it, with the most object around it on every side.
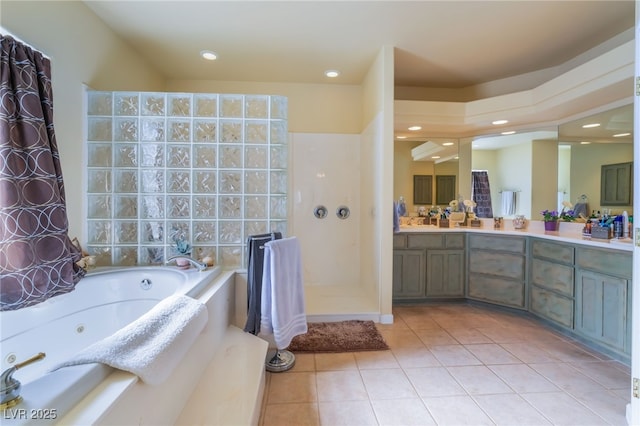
(154, 344)
(283, 309)
(508, 203)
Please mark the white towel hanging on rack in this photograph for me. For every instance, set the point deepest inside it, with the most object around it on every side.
(508, 203)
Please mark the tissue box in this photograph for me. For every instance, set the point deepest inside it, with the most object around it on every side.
(601, 232)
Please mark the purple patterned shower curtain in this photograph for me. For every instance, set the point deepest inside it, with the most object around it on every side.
(37, 258)
(481, 193)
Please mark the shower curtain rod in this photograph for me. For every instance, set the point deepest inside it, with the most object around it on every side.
(6, 32)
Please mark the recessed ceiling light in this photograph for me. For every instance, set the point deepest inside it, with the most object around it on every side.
(619, 135)
(332, 73)
(414, 128)
(498, 122)
(585, 143)
(401, 137)
(447, 144)
(208, 55)
(435, 157)
(589, 126)
(510, 132)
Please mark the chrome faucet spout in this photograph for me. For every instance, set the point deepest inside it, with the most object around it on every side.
(201, 266)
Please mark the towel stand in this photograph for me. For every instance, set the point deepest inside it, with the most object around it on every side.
(282, 360)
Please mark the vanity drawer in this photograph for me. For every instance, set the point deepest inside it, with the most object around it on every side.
(497, 243)
(552, 306)
(610, 262)
(426, 240)
(553, 251)
(399, 241)
(552, 276)
(454, 241)
(496, 290)
(506, 265)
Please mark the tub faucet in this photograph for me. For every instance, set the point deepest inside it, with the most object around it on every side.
(201, 266)
(10, 387)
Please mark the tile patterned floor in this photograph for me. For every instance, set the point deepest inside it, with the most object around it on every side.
(453, 364)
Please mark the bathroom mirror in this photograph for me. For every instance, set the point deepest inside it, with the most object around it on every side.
(433, 157)
(520, 178)
(589, 144)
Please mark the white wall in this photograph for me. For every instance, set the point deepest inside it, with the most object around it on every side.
(325, 170)
(82, 51)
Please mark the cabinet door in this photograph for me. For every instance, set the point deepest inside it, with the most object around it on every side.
(445, 273)
(408, 273)
(601, 308)
(615, 184)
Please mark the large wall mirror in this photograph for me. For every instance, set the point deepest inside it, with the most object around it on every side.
(595, 160)
(520, 179)
(417, 159)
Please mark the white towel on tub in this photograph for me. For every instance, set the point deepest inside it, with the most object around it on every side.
(154, 344)
(283, 311)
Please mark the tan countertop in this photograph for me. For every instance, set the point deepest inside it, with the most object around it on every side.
(568, 233)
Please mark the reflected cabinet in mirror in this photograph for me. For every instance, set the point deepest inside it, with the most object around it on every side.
(596, 160)
(425, 172)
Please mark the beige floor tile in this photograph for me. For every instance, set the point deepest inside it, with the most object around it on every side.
(335, 361)
(347, 413)
(548, 377)
(468, 336)
(451, 355)
(529, 353)
(568, 379)
(479, 380)
(303, 414)
(434, 381)
(606, 373)
(492, 353)
(387, 384)
(415, 357)
(607, 405)
(292, 387)
(304, 362)
(456, 411)
(340, 386)
(522, 378)
(401, 339)
(375, 359)
(568, 352)
(435, 337)
(405, 412)
(510, 410)
(562, 409)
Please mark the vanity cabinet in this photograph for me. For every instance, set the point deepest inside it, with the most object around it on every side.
(603, 299)
(551, 279)
(428, 266)
(497, 269)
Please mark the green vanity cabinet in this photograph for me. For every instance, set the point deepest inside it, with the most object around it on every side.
(551, 278)
(409, 268)
(497, 268)
(428, 266)
(603, 299)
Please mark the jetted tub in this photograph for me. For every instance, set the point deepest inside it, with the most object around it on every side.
(102, 303)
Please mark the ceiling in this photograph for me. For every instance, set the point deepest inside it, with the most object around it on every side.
(442, 44)
(448, 46)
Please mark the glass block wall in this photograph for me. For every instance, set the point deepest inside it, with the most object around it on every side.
(208, 168)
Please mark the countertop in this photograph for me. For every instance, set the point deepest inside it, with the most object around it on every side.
(568, 233)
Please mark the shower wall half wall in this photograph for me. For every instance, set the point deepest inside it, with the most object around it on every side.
(327, 174)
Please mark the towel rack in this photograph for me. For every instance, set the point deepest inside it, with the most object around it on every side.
(282, 360)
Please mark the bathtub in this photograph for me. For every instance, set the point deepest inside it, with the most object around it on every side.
(102, 303)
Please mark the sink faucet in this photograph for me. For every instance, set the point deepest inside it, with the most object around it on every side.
(201, 266)
(10, 387)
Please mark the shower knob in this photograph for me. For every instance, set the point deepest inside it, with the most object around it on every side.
(343, 212)
(320, 212)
